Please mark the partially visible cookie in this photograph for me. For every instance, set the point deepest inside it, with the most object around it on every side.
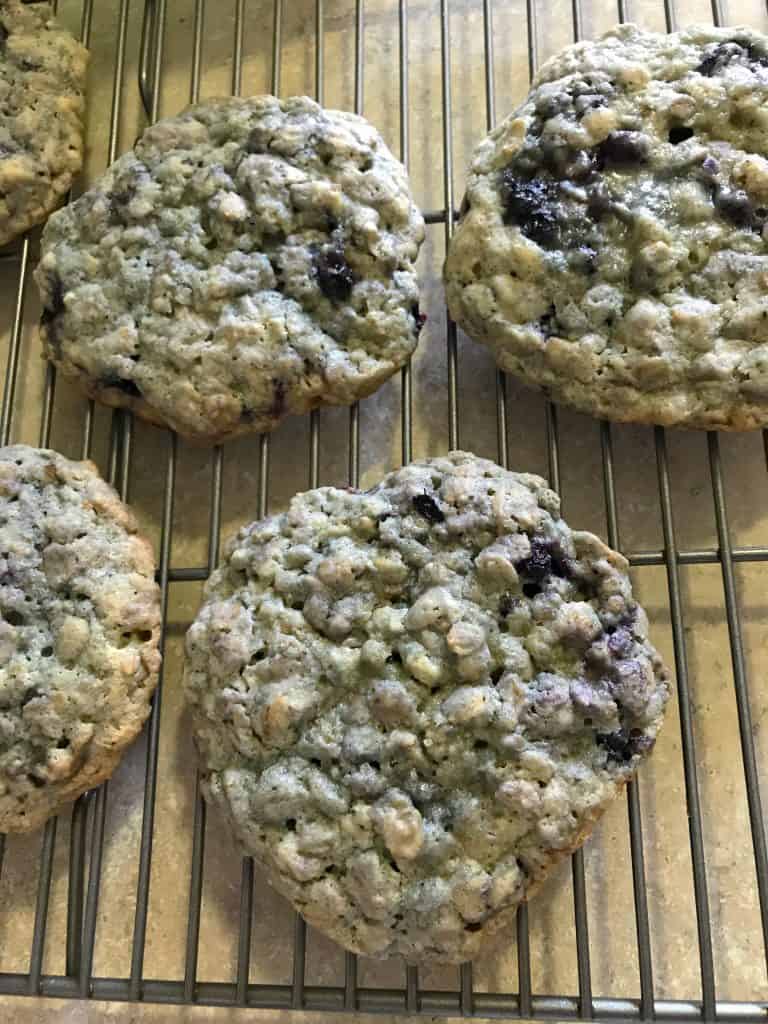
(249, 259)
(411, 702)
(612, 248)
(42, 88)
(79, 632)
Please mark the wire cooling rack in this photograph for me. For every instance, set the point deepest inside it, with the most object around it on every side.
(676, 927)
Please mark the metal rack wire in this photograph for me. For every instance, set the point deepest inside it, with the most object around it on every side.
(87, 830)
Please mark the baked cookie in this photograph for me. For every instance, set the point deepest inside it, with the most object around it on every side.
(79, 632)
(42, 87)
(249, 259)
(612, 248)
(410, 702)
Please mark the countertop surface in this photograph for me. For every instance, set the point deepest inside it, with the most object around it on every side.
(739, 962)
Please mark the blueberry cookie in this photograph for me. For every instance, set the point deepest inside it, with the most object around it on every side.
(410, 702)
(612, 246)
(42, 83)
(79, 631)
(249, 259)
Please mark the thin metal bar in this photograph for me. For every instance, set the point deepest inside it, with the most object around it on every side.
(76, 885)
(578, 21)
(49, 393)
(586, 1008)
(319, 50)
(490, 121)
(524, 961)
(117, 82)
(354, 412)
(412, 988)
(277, 34)
(88, 429)
(237, 49)
(640, 893)
(466, 993)
(195, 897)
(145, 53)
(299, 960)
(350, 981)
(670, 15)
(377, 1000)
(406, 382)
(197, 51)
(741, 686)
(533, 36)
(624, 14)
(244, 938)
(41, 907)
(451, 342)
(718, 15)
(153, 740)
(686, 733)
(92, 897)
(12, 369)
(314, 416)
(2, 852)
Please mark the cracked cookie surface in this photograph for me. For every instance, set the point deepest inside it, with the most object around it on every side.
(612, 248)
(79, 632)
(250, 258)
(42, 88)
(410, 702)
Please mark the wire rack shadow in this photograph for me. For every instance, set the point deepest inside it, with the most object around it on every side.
(142, 40)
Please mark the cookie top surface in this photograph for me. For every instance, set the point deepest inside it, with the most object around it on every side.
(409, 702)
(42, 86)
(79, 632)
(249, 259)
(613, 245)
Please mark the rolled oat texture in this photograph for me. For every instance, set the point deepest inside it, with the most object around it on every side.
(411, 702)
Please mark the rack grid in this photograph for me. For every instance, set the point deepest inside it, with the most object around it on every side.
(86, 829)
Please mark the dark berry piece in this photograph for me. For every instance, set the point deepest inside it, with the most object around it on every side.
(679, 133)
(621, 745)
(538, 565)
(118, 205)
(717, 58)
(334, 275)
(254, 143)
(419, 317)
(428, 508)
(531, 205)
(128, 387)
(277, 406)
(506, 604)
(623, 150)
(736, 207)
(620, 642)
(531, 590)
(548, 322)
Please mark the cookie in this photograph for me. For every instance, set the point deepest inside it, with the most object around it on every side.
(42, 88)
(79, 632)
(249, 259)
(411, 702)
(612, 248)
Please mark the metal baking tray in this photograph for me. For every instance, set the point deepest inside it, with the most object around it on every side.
(137, 893)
